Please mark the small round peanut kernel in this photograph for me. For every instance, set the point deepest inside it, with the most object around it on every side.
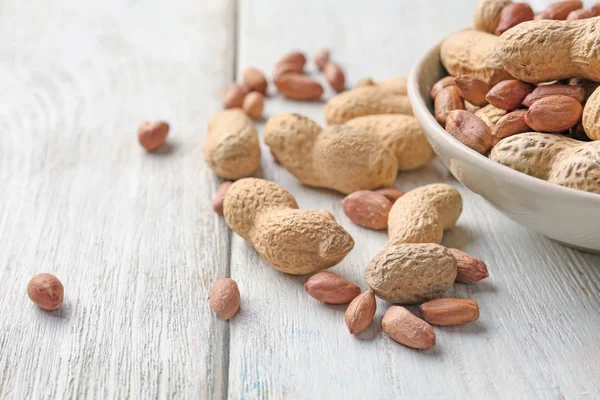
(153, 134)
(46, 291)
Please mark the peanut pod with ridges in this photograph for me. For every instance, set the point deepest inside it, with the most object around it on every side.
(366, 100)
(545, 50)
(422, 214)
(291, 240)
(554, 158)
(471, 52)
(231, 149)
(401, 133)
(412, 272)
(591, 116)
(340, 157)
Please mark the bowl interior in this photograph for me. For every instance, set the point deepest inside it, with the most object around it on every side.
(561, 213)
(426, 72)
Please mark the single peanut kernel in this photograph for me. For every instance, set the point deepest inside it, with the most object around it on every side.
(253, 105)
(153, 134)
(46, 291)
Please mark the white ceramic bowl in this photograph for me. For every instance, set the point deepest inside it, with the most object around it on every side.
(567, 215)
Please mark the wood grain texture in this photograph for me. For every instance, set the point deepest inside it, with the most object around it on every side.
(134, 240)
(539, 309)
(132, 236)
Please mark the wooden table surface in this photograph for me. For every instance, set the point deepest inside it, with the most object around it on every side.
(137, 246)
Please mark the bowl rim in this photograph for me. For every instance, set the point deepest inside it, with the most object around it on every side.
(521, 179)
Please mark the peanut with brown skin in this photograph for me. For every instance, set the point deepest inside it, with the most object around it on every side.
(234, 98)
(253, 105)
(219, 197)
(360, 312)
(321, 57)
(468, 268)
(554, 114)
(284, 68)
(508, 95)
(447, 100)
(448, 312)
(581, 14)
(441, 85)
(391, 194)
(225, 298)
(46, 291)
(512, 15)
(153, 134)
(299, 87)
(561, 9)
(335, 76)
(469, 130)
(407, 329)
(296, 59)
(473, 90)
(255, 80)
(510, 124)
(367, 209)
(576, 92)
(330, 288)
(588, 86)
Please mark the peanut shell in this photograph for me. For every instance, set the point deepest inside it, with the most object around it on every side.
(231, 148)
(339, 157)
(292, 241)
(410, 273)
(365, 100)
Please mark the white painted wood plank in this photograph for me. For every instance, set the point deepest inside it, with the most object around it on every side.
(132, 236)
(537, 336)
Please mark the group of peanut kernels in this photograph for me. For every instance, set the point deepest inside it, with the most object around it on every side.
(527, 87)
(290, 80)
(371, 135)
